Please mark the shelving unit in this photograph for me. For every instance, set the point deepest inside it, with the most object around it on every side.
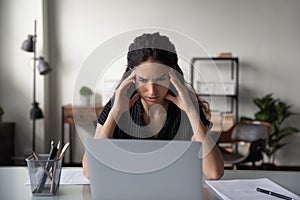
(233, 94)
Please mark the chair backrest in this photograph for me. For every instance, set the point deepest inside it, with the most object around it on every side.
(250, 131)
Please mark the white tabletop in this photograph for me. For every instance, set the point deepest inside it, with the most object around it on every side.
(13, 186)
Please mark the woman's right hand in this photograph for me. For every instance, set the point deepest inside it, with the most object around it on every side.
(121, 101)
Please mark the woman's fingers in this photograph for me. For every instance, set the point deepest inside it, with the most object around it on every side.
(127, 81)
(122, 95)
(175, 81)
(121, 92)
(131, 77)
(182, 100)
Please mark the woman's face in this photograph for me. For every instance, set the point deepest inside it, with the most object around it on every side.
(152, 82)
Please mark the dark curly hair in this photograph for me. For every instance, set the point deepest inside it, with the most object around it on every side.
(153, 47)
(158, 48)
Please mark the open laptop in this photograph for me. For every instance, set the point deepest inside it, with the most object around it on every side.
(144, 169)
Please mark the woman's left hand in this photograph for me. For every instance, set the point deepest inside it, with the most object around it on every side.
(182, 100)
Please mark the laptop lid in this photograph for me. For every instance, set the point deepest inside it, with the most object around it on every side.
(144, 169)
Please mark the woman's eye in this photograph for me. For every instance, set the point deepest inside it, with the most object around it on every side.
(143, 80)
(161, 79)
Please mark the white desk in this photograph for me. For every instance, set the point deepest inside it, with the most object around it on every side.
(12, 184)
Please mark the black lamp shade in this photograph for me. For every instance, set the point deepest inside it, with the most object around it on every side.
(43, 66)
(36, 112)
(28, 44)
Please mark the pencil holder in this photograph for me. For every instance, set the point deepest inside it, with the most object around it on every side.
(44, 175)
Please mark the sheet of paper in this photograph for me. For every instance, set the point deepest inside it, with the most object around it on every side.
(246, 189)
(71, 176)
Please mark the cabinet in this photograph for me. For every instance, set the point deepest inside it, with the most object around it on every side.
(7, 143)
(217, 79)
(83, 115)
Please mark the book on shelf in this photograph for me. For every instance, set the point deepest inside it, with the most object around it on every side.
(228, 121)
(221, 121)
(216, 119)
(224, 55)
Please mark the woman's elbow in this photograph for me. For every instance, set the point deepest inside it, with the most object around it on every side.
(216, 175)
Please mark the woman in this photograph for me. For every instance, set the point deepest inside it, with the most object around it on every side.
(160, 106)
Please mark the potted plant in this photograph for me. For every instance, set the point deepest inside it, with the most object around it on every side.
(1, 113)
(85, 93)
(275, 112)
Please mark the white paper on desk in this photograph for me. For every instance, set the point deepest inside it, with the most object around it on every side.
(246, 189)
(71, 176)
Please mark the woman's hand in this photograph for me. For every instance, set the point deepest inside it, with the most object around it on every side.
(182, 100)
(121, 102)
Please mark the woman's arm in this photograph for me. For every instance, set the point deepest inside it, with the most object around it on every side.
(213, 164)
(121, 104)
(105, 131)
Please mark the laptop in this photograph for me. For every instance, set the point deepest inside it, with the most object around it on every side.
(144, 169)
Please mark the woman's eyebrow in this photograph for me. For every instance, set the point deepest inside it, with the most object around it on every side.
(160, 77)
(163, 76)
(141, 78)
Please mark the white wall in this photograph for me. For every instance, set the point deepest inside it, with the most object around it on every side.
(263, 34)
(16, 75)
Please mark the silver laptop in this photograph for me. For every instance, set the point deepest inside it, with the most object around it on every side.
(144, 169)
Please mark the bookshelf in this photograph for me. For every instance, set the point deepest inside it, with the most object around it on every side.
(227, 88)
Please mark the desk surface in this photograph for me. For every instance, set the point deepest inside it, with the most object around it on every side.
(12, 184)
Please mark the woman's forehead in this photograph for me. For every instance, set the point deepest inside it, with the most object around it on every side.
(151, 68)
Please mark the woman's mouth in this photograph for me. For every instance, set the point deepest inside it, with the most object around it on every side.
(152, 99)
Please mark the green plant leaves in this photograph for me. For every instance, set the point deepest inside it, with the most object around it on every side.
(282, 111)
(85, 91)
(275, 112)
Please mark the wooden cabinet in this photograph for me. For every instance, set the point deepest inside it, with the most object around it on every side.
(81, 115)
(7, 143)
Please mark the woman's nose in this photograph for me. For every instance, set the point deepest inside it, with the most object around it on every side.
(152, 88)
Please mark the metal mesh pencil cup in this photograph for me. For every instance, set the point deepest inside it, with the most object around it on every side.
(44, 175)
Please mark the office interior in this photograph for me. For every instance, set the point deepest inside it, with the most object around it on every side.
(264, 35)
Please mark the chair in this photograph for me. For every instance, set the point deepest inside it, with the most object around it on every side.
(253, 134)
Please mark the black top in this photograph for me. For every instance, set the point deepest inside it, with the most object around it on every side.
(177, 126)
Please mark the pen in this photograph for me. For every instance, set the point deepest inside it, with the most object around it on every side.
(273, 194)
